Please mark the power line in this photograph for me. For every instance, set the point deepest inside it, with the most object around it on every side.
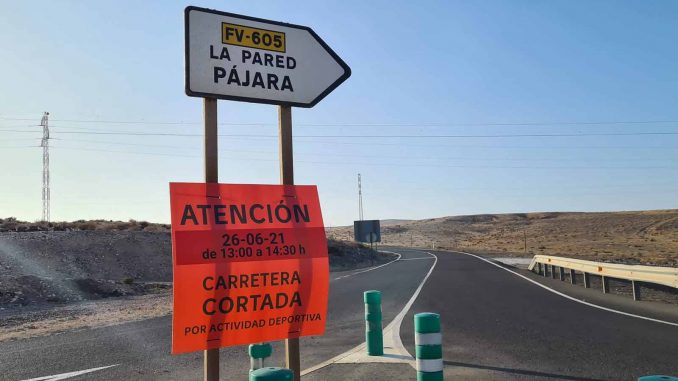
(460, 136)
(418, 136)
(13, 130)
(306, 140)
(419, 165)
(409, 145)
(521, 147)
(407, 156)
(126, 144)
(15, 139)
(127, 152)
(369, 124)
(542, 124)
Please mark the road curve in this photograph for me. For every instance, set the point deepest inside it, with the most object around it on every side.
(140, 350)
(498, 326)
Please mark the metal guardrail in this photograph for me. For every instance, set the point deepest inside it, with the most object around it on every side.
(667, 276)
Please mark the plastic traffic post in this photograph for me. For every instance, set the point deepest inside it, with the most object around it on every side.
(658, 378)
(373, 334)
(272, 374)
(429, 349)
(258, 352)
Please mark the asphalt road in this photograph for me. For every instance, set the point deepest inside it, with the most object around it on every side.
(496, 326)
(142, 349)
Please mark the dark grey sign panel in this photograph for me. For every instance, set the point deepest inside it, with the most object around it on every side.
(367, 231)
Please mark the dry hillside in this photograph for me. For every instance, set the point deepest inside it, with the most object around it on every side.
(63, 262)
(647, 237)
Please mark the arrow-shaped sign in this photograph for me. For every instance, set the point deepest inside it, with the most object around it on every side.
(243, 58)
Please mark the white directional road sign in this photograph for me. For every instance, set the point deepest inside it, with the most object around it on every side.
(242, 58)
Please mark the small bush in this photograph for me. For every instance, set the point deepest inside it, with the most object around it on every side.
(87, 225)
(11, 224)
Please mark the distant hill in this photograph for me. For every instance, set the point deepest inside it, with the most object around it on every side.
(648, 237)
(393, 222)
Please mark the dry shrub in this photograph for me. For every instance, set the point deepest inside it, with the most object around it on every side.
(11, 224)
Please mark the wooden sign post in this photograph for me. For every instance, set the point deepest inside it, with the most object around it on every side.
(285, 147)
(211, 356)
(247, 59)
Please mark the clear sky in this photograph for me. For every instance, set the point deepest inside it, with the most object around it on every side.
(450, 68)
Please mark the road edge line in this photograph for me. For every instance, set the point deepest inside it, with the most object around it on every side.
(568, 296)
(371, 268)
(392, 325)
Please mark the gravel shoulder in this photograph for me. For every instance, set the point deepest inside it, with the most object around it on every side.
(31, 321)
(18, 324)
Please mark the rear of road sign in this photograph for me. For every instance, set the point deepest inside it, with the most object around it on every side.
(250, 264)
(367, 231)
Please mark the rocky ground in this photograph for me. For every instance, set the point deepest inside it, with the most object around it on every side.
(52, 267)
(38, 320)
(60, 277)
(48, 267)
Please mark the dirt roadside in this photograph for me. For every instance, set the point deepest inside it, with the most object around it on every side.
(55, 281)
(45, 319)
(21, 324)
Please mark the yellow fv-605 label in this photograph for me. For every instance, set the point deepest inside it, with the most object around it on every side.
(239, 35)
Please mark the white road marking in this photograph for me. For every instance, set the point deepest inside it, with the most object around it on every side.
(371, 268)
(567, 296)
(392, 331)
(416, 259)
(394, 350)
(64, 376)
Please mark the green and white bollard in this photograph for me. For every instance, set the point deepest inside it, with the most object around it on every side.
(373, 333)
(272, 374)
(429, 349)
(658, 378)
(258, 352)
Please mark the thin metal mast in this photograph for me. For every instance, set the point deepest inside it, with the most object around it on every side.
(45, 166)
(360, 198)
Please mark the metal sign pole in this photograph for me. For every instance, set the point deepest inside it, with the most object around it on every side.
(211, 356)
(292, 355)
